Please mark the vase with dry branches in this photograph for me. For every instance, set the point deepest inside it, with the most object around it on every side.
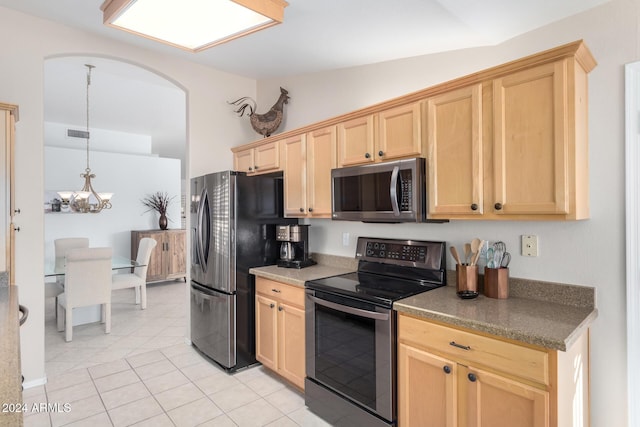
(159, 202)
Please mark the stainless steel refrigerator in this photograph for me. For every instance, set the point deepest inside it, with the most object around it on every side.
(233, 228)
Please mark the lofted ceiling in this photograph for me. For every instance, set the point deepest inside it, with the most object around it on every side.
(316, 35)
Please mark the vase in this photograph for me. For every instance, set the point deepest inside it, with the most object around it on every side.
(162, 222)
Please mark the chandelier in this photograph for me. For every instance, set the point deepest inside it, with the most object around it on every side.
(87, 199)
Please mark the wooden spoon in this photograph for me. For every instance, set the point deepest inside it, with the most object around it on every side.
(467, 253)
(454, 252)
(476, 255)
(475, 248)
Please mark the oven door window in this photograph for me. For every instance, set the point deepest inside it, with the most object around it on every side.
(346, 357)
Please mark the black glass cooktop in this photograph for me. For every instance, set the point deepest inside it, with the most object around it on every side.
(374, 288)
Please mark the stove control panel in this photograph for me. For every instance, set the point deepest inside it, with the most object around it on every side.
(395, 251)
(423, 254)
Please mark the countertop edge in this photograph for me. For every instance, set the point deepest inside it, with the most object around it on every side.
(10, 371)
(500, 331)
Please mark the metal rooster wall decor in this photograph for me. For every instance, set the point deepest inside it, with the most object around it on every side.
(264, 124)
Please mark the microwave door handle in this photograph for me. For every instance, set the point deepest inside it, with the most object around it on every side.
(350, 310)
(393, 192)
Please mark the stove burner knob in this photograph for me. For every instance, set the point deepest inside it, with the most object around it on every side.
(381, 254)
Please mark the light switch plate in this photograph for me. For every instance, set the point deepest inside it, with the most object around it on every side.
(345, 239)
(529, 245)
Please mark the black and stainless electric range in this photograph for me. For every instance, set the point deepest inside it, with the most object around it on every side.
(351, 329)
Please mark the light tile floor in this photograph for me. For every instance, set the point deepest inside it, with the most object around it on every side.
(144, 374)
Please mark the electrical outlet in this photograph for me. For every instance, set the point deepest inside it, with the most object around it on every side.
(529, 245)
(345, 239)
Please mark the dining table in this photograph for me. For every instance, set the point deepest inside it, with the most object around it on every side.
(56, 269)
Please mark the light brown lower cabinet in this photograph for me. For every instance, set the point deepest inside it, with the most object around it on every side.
(280, 329)
(452, 377)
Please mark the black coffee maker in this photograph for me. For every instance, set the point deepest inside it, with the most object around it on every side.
(294, 246)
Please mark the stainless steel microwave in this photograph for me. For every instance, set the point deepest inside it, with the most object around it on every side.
(392, 191)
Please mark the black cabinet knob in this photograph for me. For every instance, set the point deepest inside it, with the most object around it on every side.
(256, 167)
(280, 308)
(250, 169)
(472, 378)
(310, 209)
(380, 153)
(446, 369)
(272, 305)
(498, 206)
(474, 207)
(367, 155)
(301, 209)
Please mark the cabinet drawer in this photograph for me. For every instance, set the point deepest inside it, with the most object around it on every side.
(472, 349)
(281, 291)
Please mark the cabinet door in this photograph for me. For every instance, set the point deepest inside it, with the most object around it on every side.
(5, 180)
(175, 254)
(243, 161)
(454, 147)
(356, 141)
(291, 362)
(531, 141)
(295, 180)
(496, 401)
(155, 269)
(266, 332)
(427, 389)
(399, 132)
(321, 158)
(267, 157)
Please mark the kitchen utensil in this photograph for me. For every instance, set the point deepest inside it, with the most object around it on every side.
(454, 252)
(467, 253)
(499, 248)
(506, 259)
(476, 254)
(491, 263)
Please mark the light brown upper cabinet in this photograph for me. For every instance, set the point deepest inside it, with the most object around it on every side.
(512, 147)
(537, 159)
(8, 119)
(308, 160)
(505, 143)
(454, 152)
(390, 134)
(262, 158)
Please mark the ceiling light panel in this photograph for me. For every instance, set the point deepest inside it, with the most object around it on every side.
(193, 24)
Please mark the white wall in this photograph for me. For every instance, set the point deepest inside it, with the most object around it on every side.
(55, 135)
(212, 128)
(129, 177)
(588, 252)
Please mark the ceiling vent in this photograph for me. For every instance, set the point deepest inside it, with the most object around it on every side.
(78, 133)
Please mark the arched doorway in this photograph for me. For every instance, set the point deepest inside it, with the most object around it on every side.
(138, 145)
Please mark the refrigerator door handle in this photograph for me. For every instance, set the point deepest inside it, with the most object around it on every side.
(201, 224)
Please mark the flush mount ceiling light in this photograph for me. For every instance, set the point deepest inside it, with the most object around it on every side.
(193, 25)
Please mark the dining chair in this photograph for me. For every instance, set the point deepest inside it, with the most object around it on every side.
(137, 279)
(87, 282)
(61, 247)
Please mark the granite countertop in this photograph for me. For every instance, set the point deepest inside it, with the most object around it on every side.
(10, 372)
(539, 322)
(328, 265)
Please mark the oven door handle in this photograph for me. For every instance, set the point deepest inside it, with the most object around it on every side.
(350, 310)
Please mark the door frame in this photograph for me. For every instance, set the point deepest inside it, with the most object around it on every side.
(632, 189)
